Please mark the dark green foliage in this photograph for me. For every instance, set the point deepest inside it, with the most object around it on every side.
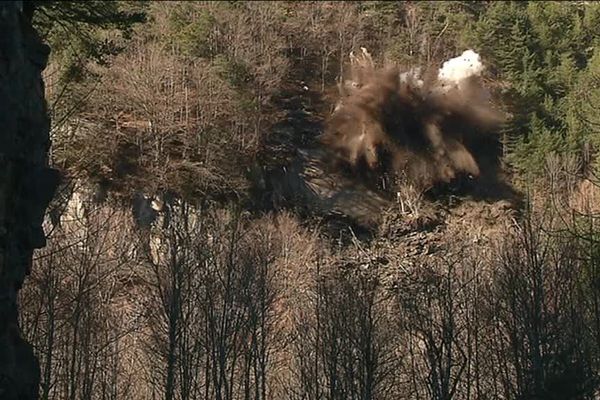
(191, 31)
(232, 71)
(541, 52)
(100, 14)
(73, 29)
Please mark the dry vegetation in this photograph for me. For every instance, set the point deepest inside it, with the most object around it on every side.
(222, 286)
(217, 303)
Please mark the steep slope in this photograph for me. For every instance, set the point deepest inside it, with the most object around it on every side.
(395, 146)
(26, 186)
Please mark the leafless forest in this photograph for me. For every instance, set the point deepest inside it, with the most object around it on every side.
(268, 200)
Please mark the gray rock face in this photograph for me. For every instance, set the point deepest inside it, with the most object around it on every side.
(309, 183)
(26, 187)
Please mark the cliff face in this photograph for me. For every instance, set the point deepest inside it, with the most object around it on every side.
(26, 186)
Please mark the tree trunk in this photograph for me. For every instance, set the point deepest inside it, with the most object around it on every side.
(26, 186)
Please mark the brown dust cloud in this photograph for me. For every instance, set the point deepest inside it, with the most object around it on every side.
(398, 127)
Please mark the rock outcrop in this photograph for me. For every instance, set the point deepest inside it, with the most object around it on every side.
(26, 185)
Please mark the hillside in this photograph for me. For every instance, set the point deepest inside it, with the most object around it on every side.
(320, 200)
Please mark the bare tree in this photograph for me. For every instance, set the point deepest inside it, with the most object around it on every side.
(346, 347)
(541, 326)
(72, 311)
(214, 282)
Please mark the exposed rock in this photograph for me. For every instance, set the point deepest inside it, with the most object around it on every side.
(26, 186)
(308, 184)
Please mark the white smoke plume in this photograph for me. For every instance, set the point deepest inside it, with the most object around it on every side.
(457, 69)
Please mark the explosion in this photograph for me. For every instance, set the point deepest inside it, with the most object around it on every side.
(460, 68)
(396, 127)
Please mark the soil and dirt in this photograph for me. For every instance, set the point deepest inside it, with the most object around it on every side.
(297, 172)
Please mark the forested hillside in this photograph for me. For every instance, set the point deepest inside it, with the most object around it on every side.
(283, 200)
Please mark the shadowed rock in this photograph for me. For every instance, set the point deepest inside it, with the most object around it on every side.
(26, 186)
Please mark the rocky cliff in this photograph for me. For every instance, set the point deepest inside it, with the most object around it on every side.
(26, 185)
